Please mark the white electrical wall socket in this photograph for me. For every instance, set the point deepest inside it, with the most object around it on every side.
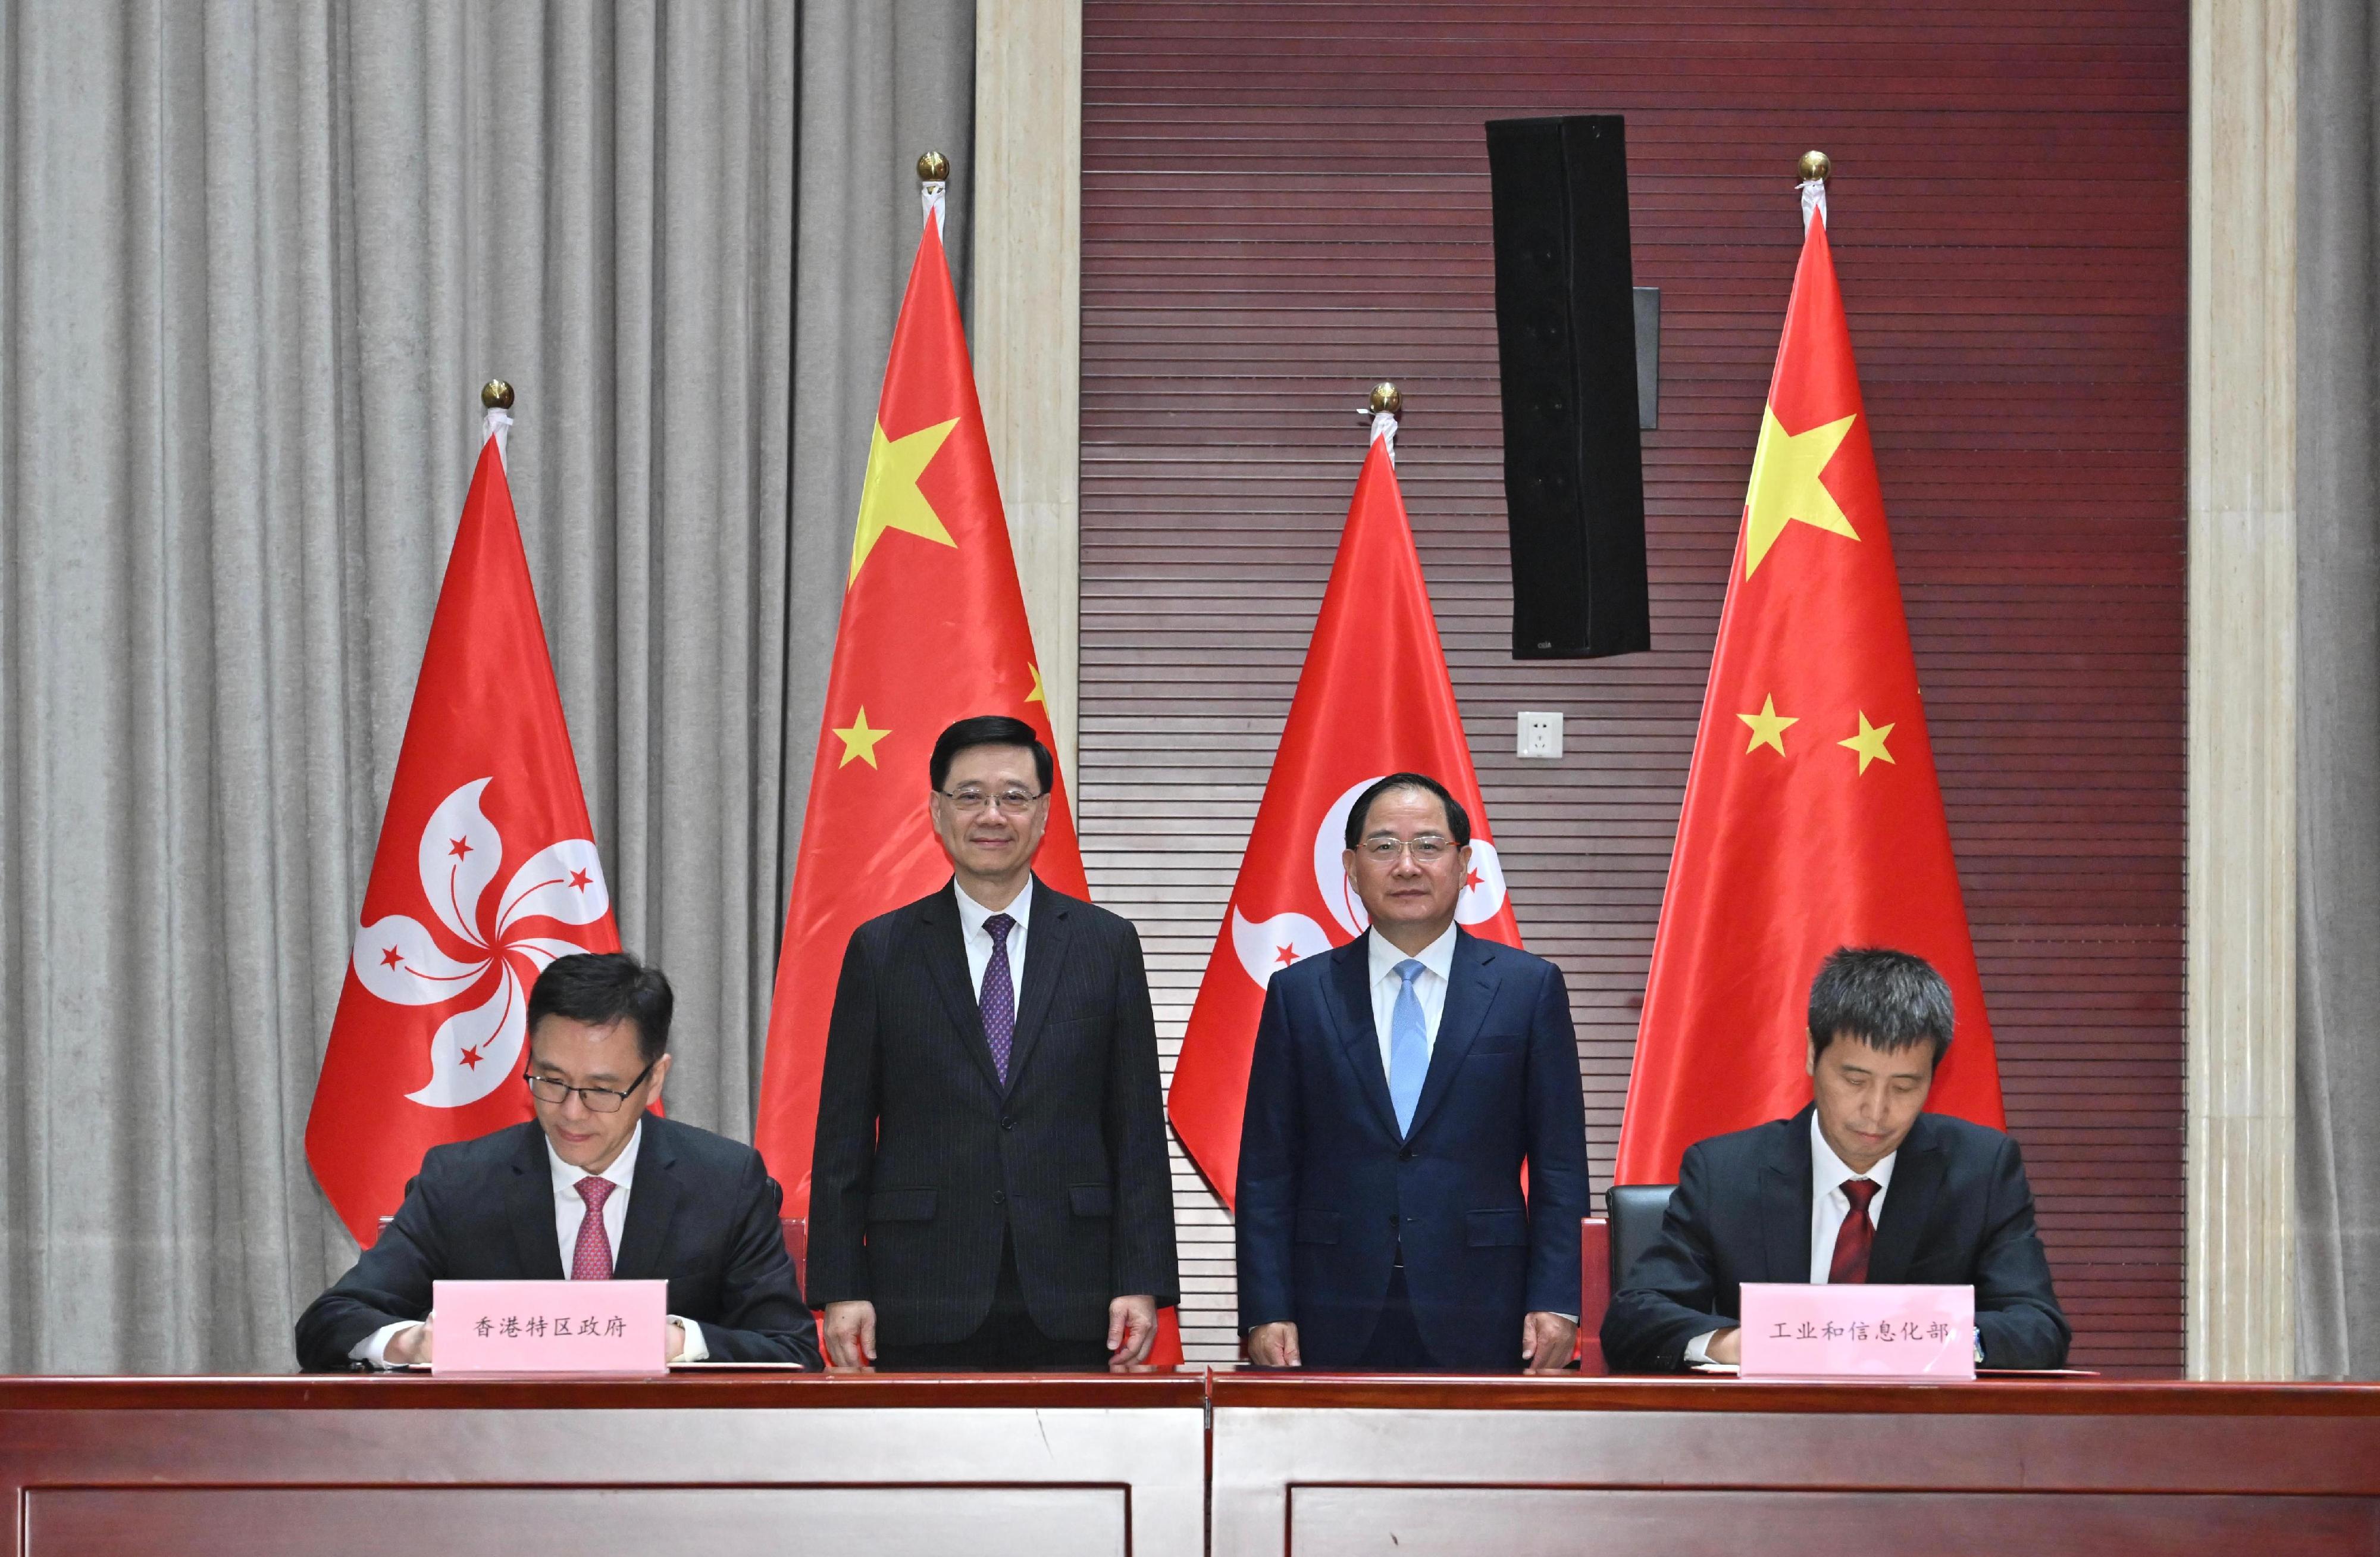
(1540, 735)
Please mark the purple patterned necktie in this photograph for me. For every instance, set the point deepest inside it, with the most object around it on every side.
(998, 996)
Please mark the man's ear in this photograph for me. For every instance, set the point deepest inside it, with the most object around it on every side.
(661, 1074)
(1810, 1063)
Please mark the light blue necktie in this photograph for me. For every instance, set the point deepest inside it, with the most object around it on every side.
(1408, 1047)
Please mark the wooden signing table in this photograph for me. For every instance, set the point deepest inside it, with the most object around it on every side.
(1236, 1463)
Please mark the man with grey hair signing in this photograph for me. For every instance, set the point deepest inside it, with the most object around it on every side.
(1862, 1186)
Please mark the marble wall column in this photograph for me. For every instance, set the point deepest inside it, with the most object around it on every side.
(1027, 309)
(2243, 925)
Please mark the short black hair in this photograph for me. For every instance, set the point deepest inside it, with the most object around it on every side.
(1458, 820)
(1887, 1000)
(598, 988)
(988, 729)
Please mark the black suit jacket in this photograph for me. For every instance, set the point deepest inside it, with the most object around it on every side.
(1959, 1213)
(702, 1214)
(1329, 1190)
(923, 1157)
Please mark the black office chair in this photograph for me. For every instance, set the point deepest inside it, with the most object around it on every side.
(1636, 1211)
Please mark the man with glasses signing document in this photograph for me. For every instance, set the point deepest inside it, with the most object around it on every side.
(989, 1188)
(593, 1187)
(1399, 1087)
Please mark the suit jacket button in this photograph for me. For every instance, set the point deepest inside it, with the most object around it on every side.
(998, 1198)
(1008, 1124)
(1406, 1155)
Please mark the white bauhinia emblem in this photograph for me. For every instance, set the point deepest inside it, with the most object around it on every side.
(400, 961)
(1265, 946)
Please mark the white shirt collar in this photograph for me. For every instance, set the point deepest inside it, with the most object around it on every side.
(972, 913)
(622, 1172)
(1828, 1171)
(1436, 958)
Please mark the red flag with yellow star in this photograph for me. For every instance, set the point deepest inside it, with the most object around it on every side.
(1813, 816)
(933, 630)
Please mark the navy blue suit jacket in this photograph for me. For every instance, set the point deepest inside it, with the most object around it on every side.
(1327, 1189)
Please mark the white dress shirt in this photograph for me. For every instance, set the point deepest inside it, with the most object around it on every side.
(569, 1214)
(1829, 1208)
(1437, 961)
(979, 940)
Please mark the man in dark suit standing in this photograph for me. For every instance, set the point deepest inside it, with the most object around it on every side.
(1860, 1186)
(590, 1177)
(990, 1187)
(1400, 1086)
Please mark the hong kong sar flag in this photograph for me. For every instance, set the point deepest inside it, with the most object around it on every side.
(1373, 699)
(486, 872)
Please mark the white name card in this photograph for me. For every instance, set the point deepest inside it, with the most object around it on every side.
(1795, 1330)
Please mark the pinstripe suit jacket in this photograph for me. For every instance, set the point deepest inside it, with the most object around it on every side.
(923, 1157)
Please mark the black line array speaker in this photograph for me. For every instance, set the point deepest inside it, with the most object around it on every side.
(1566, 342)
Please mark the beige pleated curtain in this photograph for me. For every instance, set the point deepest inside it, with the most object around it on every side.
(255, 261)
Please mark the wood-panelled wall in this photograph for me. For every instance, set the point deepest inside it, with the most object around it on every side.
(1283, 203)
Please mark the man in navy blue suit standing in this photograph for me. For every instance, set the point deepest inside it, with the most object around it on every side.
(1399, 1086)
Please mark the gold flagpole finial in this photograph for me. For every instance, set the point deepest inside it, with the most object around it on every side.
(934, 168)
(496, 395)
(1816, 167)
(1387, 400)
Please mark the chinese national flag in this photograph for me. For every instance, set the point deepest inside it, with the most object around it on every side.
(1813, 817)
(933, 630)
(1373, 699)
(485, 872)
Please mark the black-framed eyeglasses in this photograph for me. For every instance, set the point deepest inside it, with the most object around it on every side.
(598, 1100)
(1016, 802)
(1428, 849)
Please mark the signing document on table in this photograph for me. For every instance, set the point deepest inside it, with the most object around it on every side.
(592, 1189)
(1862, 1186)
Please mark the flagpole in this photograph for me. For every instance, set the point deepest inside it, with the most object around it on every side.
(496, 397)
(1388, 401)
(1816, 168)
(933, 178)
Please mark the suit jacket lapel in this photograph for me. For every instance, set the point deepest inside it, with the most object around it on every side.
(1047, 935)
(1785, 1204)
(653, 1202)
(1470, 987)
(1359, 1038)
(945, 956)
(1917, 1173)
(528, 1207)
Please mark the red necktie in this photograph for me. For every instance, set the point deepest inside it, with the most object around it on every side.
(1858, 1235)
(591, 1259)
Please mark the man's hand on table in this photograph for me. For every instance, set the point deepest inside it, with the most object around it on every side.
(1547, 1340)
(409, 1346)
(850, 1337)
(1132, 1330)
(1273, 1345)
(1727, 1346)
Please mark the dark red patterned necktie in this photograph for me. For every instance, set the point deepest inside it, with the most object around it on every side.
(591, 1259)
(1858, 1235)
